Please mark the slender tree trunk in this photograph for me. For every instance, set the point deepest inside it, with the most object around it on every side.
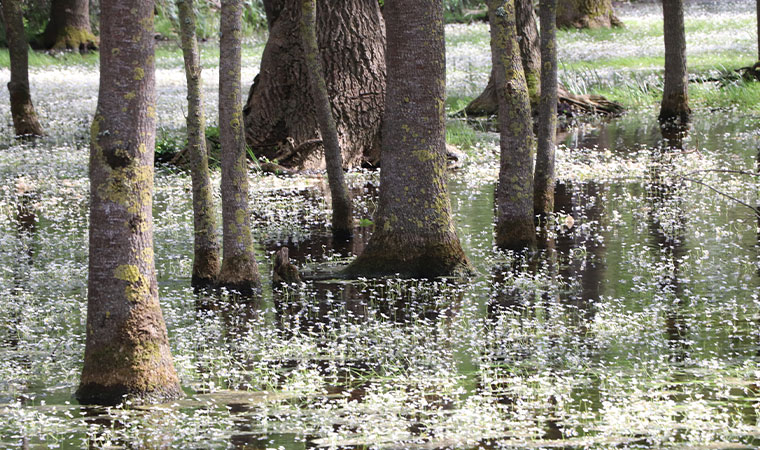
(69, 26)
(586, 14)
(675, 95)
(206, 241)
(239, 271)
(543, 196)
(514, 194)
(414, 232)
(487, 103)
(280, 115)
(127, 350)
(24, 116)
(342, 218)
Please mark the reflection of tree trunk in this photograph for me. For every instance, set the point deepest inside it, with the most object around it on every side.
(586, 14)
(206, 241)
(69, 26)
(675, 95)
(514, 194)
(342, 217)
(24, 116)
(414, 232)
(127, 348)
(280, 120)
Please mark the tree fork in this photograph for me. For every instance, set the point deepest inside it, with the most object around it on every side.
(206, 241)
(342, 217)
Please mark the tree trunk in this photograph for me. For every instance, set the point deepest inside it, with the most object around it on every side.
(486, 103)
(127, 349)
(280, 117)
(206, 240)
(342, 218)
(514, 194)
(69, 27)
(24, 116)
(586, 14)
(543, 195)
(239, 271)
(675, 95)
(414, 232)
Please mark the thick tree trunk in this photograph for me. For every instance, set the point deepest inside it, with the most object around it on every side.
(586, 14)
(239, 271)
(414, 233)
(280, 118)
(69, 26)
(206, 241)
(24, 116)
(514, 194)
(675, 95)
(487, 103)
(127, 350)
(543, 195)
(342, 218)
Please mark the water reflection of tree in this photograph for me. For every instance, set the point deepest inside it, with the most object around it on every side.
(667, 222)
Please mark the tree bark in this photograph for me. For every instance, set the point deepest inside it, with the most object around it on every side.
(206, 241)
(280, 116)
(543, 195)
(487, 103)
(239, 270)
(586, 14)
(342, 218)
(514, 193)
(675, 95)
(25, 122)
(414, 233)
(69, 27)
(127, 349)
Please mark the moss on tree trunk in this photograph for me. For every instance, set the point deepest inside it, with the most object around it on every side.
(586, 14)
(543, 196)
(514, 193)
(127, 349)
(239, 270)
(414, 233)
(206, 258)
(69, 27)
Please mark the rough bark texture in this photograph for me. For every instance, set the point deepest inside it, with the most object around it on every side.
(127, 350)
(530, 51)
(342, 218)
(414, 233)
(69, 26)
(24, 116)
(280, 118)
(206, 241)
(486, 103)
(586, 14)
(675, 95)
(514, 193)
(543, 195)
(239, 271)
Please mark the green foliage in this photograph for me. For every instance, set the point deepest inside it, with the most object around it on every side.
(463, 11)
(460, 134)
(207, 18)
